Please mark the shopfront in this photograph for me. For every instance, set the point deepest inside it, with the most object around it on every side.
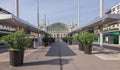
(111, 38)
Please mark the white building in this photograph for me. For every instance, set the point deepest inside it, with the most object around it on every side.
(116, 9)
(58, 30)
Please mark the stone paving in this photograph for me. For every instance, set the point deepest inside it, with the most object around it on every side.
(110, 52)
(62, 57)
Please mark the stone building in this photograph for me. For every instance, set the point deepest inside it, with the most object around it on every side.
(58, 30)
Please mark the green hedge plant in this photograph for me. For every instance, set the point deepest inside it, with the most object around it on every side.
(79, 38)
(16, 41)
(46, 40)
(69, 39)
(88, 38)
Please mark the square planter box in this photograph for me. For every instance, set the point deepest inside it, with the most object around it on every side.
(16, 58)
(88, 49)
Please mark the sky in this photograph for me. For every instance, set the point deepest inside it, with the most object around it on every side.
(64, 11)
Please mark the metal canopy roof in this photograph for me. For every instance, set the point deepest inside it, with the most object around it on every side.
(99, 22)
(11, 20)
(4, 32)
(103, 20)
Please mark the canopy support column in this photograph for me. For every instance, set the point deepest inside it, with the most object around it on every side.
(101, 38)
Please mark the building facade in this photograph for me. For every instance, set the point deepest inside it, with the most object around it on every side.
(111, 29)
(58, 30)
(116, 9)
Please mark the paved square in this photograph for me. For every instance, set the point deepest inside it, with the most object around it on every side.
(62, 57)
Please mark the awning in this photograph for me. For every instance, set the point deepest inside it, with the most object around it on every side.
(99, 22)
(5, 32)
(103, 20)
(111, 33)
(13, 21)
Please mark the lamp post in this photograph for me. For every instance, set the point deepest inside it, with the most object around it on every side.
(17, 8)
(101, 28)
(101, 8)
(78, 13)
(17, 12)
(38, 18)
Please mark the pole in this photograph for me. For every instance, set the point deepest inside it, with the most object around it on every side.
(45, 22)
(78, 13)
(17, 12)
(48, 22)
(101, 8)
(17, 8)
(101, 28)
(38, 18)
(48, 25)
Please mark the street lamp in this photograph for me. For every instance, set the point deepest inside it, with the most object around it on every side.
(101, 8)
(101, 28)
(17, 11)
(17, 8)
(38, 18)
(78, 13)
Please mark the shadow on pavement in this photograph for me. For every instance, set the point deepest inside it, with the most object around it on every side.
(3, 49)
(60, 49)
(106, 50)
(108, 47)
(47, 62)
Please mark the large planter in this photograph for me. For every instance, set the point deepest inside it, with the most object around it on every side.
(65, 41)
(88, 49)
(70, 42)
(45, 44)
(16, 58)
(81, 48)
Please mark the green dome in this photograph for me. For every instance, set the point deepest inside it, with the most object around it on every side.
(57, 27)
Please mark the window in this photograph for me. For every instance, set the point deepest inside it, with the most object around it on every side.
(57, 35)
(0, 26)
(64, 34)
(117, 7)
(117, 24)
(61, 35)
(113, 9)
(113, 25)
(54, 35)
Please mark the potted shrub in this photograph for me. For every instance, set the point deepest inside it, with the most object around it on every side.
(53, 40)
(69, 40)
(64, 39)
(45, 40)
(87, 39)
(17, 42)
(31, 43)
(79, 39)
